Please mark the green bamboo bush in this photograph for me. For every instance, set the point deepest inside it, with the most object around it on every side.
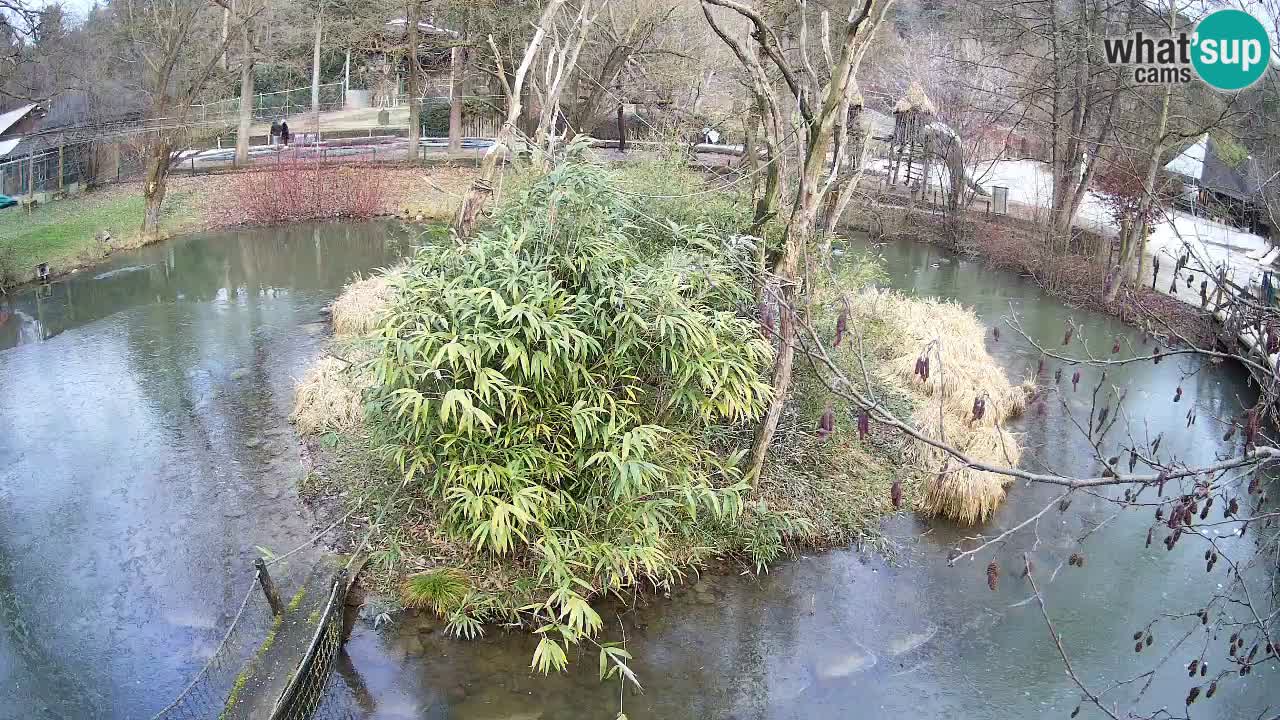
(558, 385)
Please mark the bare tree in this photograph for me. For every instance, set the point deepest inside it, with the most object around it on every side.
(246, 10)
(819, 104)
(176, 45)
(513, 90)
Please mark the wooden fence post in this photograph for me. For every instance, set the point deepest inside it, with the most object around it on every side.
(268, 587)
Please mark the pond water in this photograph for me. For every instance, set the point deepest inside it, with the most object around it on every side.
(846, 634)
(145, 453)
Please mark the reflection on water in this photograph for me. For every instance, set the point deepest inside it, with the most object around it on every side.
(846, 635)
(145, 452)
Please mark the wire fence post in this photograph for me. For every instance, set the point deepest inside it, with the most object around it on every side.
(268, 587)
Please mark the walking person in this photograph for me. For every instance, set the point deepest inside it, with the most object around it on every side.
(275, 132)
(1155, 270)
(284, 132)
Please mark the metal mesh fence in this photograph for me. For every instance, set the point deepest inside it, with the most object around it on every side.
(272, 105)
(79, 164)
(207, 695)
(308, 695)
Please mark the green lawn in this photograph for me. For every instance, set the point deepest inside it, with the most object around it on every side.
(64, 233)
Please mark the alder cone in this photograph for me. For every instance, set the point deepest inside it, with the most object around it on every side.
(993, 576)
(842, 324)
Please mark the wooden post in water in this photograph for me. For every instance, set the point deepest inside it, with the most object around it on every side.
(268, 587)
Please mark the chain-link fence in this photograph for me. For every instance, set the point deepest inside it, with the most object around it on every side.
(73, 166)
(208, 694)
(48, 171)
(308, 695)
(272, 105)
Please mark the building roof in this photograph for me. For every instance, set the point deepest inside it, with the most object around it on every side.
(1202, 162)
(9, 119)
(7, 146)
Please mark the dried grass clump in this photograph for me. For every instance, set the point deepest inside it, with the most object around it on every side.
(328, 398)
(961, 371)
(362, 304)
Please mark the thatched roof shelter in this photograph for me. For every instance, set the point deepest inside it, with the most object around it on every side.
(915, 100)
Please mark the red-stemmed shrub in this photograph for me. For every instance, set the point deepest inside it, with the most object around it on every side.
(306, 191)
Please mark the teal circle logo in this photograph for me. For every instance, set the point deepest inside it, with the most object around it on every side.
(1231, 50)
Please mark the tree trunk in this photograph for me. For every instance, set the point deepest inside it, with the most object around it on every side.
(799, 232)
(1134, 241)
(153, 189)
(464, 222)
(315, 71)
(592, 110)
(415, 108)
(457, 70)
(246, 91)
(226, 32)
(622, 128)
(246, 112)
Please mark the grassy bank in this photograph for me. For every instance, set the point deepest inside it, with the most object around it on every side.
(421, 417)
(68, 234)
(71, 233)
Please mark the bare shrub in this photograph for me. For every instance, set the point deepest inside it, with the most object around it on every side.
(304, 191)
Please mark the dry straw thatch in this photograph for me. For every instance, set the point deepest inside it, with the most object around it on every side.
(915, 99)
(328, 398)
(961, 370)
(330, 395)
(360, 307)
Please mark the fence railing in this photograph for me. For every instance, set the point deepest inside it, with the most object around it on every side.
(307, 696)
(213, 688)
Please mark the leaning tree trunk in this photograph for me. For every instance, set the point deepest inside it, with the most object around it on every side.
(790, 289)
(464, 223)
(154, 186)
(1135, 240)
